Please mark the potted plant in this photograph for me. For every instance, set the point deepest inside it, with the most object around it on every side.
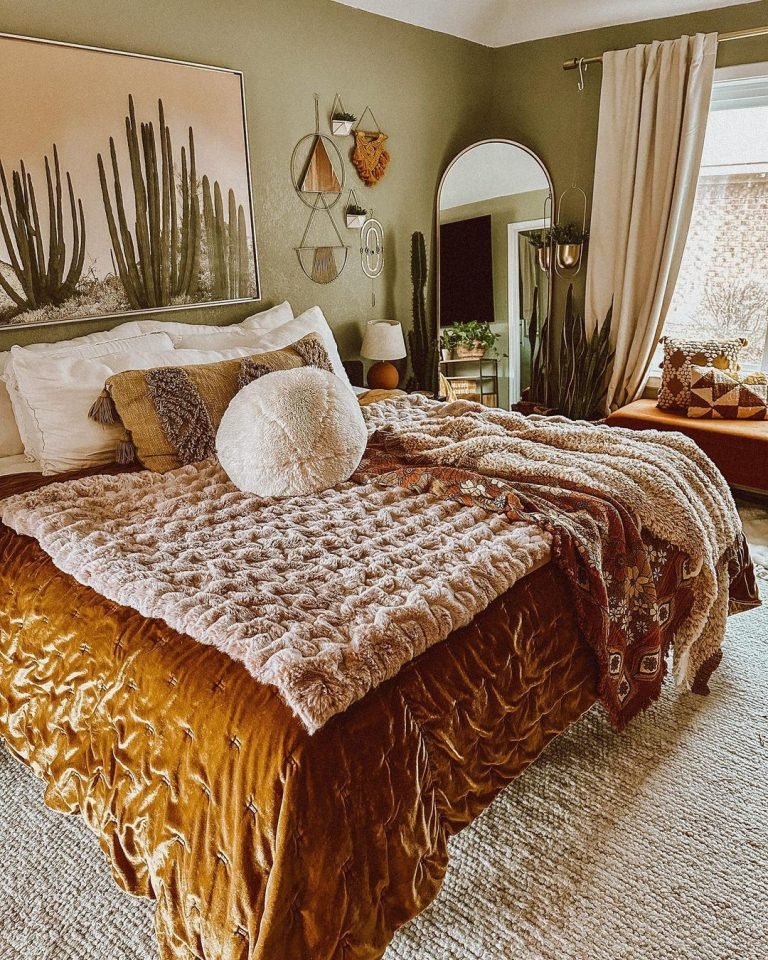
(447, 343)
(356, 216)
(472, 340)
(341, 123)
(569, 240)
(541, 241)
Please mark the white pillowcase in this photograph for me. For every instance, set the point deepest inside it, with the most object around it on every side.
(260, 340)
(265, 320)
(10, 439)
(34, 389)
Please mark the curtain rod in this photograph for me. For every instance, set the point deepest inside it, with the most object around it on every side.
(735, 35)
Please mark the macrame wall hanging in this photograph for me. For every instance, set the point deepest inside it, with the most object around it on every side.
(370, 158)
(318, 175)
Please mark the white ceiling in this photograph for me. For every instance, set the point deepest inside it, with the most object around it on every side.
(497, 23)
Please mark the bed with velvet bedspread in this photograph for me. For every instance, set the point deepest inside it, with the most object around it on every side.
(255, 837)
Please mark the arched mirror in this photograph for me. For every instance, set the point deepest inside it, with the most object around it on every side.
(494, 209)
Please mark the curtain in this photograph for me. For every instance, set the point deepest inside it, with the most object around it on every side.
(653, 115)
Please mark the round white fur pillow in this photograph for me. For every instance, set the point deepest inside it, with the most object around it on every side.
(291, 433)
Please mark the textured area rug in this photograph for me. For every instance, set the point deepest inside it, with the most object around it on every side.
(649, 844)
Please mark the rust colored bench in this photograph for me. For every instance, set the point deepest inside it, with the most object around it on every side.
(738, 447)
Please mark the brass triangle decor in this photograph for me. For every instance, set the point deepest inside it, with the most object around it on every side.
(320, 177)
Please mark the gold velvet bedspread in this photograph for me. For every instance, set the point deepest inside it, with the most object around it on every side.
(255, 839)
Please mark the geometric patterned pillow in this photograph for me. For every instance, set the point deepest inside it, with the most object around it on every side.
(679, 355)
(722, 395)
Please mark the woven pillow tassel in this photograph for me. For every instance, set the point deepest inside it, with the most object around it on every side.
(125, 451)
(103, 410)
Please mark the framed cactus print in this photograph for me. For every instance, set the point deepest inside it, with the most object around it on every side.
(124, 184)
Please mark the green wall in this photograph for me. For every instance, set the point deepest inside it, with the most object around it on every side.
(429, 92)
(433, 94)
(536, 102)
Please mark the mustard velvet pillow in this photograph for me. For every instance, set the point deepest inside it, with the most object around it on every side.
(170, 415)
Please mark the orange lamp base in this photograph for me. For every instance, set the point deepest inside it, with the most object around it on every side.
(383, 376)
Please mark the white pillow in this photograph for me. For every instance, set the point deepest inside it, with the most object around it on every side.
(24, 361)
(265, 320)
(10, 439)
(291, 433)
(259, 340)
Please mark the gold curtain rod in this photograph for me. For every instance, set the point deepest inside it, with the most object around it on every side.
(735, 35)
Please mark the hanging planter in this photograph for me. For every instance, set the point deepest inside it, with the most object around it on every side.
(341, 119)
(341, 124)
(569, 240)
(542, 242)
(355, 214)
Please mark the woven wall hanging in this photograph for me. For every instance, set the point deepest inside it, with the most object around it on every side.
(370, 158)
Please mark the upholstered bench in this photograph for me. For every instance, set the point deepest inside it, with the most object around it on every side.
(738, 447)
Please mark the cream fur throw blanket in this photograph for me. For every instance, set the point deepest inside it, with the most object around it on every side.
(327, 596)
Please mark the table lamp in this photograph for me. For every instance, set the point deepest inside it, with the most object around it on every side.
(383, 341)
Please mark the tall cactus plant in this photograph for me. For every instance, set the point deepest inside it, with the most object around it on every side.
(43, 277)
(421, 338)
(159, 261)
(226, 243)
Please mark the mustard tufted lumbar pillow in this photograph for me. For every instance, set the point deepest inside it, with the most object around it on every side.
(291, 433)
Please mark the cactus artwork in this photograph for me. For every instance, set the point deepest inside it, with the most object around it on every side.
(159, 261)
(226, 242)
(107, 161)
(42, 275)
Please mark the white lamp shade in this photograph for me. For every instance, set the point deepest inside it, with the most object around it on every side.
(383, 340)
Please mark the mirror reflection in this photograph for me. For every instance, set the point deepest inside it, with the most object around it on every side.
(494, 206)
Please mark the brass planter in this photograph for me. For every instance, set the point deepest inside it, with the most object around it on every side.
(568, 255)
(544, 256)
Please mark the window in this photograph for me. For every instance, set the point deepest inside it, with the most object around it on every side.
(722, 290)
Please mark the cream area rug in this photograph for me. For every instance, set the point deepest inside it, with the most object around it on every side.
(649, 844)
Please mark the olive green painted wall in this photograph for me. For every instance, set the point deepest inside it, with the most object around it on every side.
(428, 91)
(536, 102)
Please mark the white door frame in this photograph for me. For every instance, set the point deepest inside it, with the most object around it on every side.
(513, 299)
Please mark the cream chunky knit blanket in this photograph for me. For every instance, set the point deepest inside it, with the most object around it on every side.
(327, 596)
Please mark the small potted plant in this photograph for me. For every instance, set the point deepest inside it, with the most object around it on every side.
(341, 123)
(473, 340)
(541, 241)
(569, 241)
(356, 216)
(448, 342)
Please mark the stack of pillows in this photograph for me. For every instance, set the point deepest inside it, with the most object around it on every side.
(158, 392)
(702, 378)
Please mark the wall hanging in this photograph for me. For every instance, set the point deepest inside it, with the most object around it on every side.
(369, 157)
(372, 252)
(318, 175)
(118, 203)
(341, 119)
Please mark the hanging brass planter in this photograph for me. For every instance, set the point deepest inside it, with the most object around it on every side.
(569, 255)
(544, 257)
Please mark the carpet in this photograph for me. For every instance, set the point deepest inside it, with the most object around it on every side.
(653, 843)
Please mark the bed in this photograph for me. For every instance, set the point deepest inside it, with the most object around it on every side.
(257, 837)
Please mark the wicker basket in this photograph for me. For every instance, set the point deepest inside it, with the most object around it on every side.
(475, 352)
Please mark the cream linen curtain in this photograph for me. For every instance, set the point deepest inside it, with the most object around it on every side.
(653, 115)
